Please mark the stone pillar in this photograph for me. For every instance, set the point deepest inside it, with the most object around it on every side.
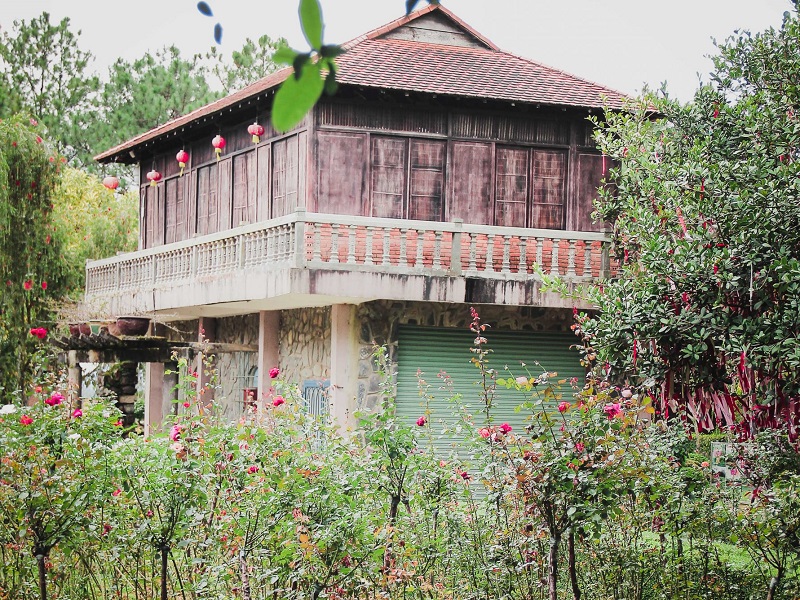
(74, 380)
(344, 365)
(153, 397)
(207, 332)
(269, 329)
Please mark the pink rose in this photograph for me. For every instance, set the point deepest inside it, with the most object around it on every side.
(77, 413)
(274, 372)
(25, 420)
(278, 401)
(579, 447)
(465, 476)
(612, 410)
(626, 393)
(116, 492)
(421, 422)
(252, 469)
(522, 380)
(27, 285)
(563, 406)
(186, 405)
(54, 400)
(175, 432)
(484, 432)
(505, 428)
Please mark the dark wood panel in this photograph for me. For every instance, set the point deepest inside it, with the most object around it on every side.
(341, 173)
(511, 186)
(426, 193)
(190, 187)
(225, 192)
(382, 118)
(302, 170)
(263, 182)
(171, 208)
(292, 173)
(388, 182)
(470, 175)
(180, 209)
(213, 200)
(553, 132)
(143, 238)
(590, 176)
(279, 204)
(549, 171)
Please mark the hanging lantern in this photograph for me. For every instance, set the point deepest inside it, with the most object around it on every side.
(219, 143)
(111, 182)
(256, 131)
(182, 157)
(154, 177)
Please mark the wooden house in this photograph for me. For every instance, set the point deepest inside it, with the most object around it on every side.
(444, 174)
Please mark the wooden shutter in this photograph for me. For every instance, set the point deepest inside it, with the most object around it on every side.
(549, 169)
(203, 186)
(181, 216)
(388, 177)
(292, 173)
(213, 200)
(470, 178)
(341, 173)
(279, 179)
(426, 197)
(511, 186)
(590, 174)
(225, 187)
(263, 182)
(171, 186)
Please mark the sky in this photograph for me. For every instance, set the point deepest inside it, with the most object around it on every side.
(621, 44)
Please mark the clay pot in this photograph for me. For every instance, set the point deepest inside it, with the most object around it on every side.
(76, 329)
(133, 325)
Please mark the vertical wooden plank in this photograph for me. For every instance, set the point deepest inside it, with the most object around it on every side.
(263, 179)
(180, 208)
(388, 176)
(239, 210)
(426, 181)
(171, 186)
(213, 199)
(590, 175)
(190, 193)
(470, 181)
(225, 193)
(251, 212)
(341, 173)
(302, 168)
(279, 179)
(549, 171)
(292, 173)
(203, 185)
(511, 186)
(142, 217)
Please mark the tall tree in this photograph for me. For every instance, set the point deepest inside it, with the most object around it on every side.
(244, 66)
(706, 220)
(43, 71)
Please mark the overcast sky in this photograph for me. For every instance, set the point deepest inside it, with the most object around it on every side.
(618, 43)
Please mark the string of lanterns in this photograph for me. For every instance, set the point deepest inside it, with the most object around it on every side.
(218, 142)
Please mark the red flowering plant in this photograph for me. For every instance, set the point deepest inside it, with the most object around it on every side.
(50, 479)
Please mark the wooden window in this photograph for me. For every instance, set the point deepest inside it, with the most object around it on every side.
(279, 179)
(154, 215)
(171, 186)
(244, 189)
(207, 211)
(407, 178)
(549, 169)
(342, 160)
(511, 187)
(471, 177)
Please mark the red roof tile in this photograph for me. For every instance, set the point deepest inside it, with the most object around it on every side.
(371, 61)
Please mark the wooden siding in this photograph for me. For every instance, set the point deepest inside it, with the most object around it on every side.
(435, 29)
(471, 176)
(341, 176)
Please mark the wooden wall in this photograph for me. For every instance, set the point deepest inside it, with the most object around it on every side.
(484, 168)
(249, 183)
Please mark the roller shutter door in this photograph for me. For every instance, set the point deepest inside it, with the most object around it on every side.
(430, 350)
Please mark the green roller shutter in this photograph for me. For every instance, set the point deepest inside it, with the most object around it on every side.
(431, 350)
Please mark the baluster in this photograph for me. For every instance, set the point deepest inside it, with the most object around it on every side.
(403, 259)
(506, 264)
(587, 260)
(368, 250)
(539, 250)
(351, 244)
(455, 248)
(437, 251)
(316, 244)
(554, 257)
(523, 255)
(334, 244)
(571, 259)
(386, 233)
(489, 265)
(419, 261)
(473, 252)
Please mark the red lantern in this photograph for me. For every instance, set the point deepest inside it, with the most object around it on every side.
(182, 157)
(256, 131)
(154, 177)
(111, 182)
(219, 143)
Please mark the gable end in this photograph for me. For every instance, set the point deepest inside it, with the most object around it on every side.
(436, 28)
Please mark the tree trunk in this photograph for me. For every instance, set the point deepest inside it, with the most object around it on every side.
(40, 559)
(573, 571)
(552, 567)
(244, 575)
(164, 557)
(773, 584)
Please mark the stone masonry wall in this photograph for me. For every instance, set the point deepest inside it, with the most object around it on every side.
(379, 321)
(305, 347)
(232, 367)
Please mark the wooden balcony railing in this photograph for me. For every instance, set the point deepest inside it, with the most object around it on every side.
(341, 242)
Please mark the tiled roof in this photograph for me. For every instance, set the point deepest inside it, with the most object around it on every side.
(423, 67)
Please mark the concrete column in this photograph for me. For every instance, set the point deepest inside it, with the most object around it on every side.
(344, 365)
(153, 397)
(74, 380)
(269, 329)
(207, 331)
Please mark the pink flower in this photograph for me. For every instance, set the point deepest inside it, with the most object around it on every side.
(175, 432)
(563, 406)
(54, 400)
(176, 447)
(274, 372)
(579, 447)
(278, 401)
(626, 393)
(25, 420)
(44, 285)
(118, 423)
(252, 469)
(612, 410)
(186, 405)
(484, 432)
(705, 464)
(28, 284)
(39, 332)
(421, 422)
(116, 492)
(522, 380)
(442, 463)
(465, 476)
(77, 413)
(505, 428)
(106, 529)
